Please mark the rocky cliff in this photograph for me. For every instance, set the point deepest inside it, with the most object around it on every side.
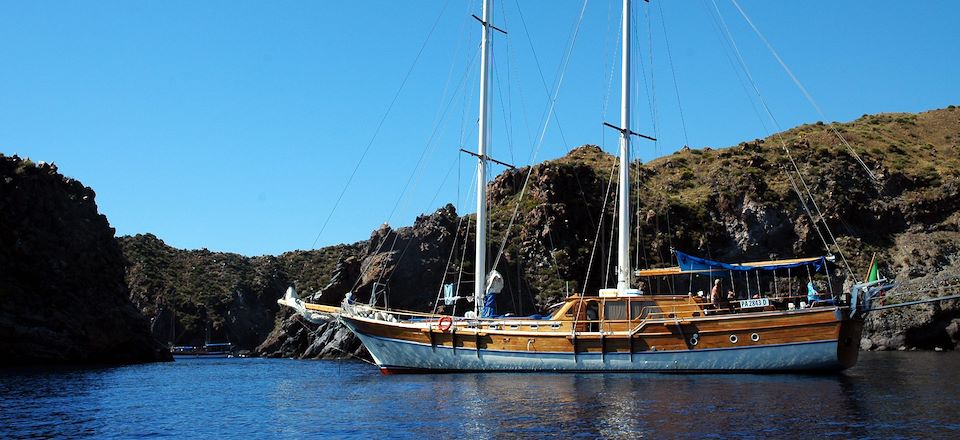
(734, 203)
(198, 296)
(63, 298)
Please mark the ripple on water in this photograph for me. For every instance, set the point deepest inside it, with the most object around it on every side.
(887, 394)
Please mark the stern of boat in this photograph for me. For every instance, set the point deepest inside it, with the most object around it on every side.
(848, 342)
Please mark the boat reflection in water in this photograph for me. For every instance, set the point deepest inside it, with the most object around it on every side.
(670, 406)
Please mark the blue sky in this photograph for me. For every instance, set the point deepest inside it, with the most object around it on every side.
(234, 125)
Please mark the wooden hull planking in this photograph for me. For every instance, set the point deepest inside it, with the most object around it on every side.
(808, 340)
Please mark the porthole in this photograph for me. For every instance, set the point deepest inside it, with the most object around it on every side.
(733, 339)
(754, 337)
(694, 341)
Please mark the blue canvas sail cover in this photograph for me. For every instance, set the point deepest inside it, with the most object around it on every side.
(688, 262)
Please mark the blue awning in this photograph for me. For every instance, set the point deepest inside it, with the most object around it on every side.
(690, 263)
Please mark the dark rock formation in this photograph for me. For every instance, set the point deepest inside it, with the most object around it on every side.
(63, 298)
(405, 266)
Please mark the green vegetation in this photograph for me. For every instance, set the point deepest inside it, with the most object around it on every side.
(204, 291)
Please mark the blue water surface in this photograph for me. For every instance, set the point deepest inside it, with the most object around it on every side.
(894, 394)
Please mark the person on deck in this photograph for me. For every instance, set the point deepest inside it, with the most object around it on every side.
(715, 293)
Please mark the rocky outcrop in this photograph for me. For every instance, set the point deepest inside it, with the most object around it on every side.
(402, 268)
(297, 338)
(63, 298)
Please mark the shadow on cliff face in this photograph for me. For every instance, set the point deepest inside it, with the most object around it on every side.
(63, 298)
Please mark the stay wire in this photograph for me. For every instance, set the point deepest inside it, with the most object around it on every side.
(409, 242)
(673, 71)
(783, 145)
(543, 132)
(803, 89)
(376, 131)
(428, 148)
(613, 221)
(543, 80)
(596, 238)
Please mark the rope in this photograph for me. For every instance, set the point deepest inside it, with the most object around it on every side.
(676, 87)
(409, 242)
(536, 61)
(613, 221)
(802, 88)
(603, 207)
(463, 257)
(653, 85)
(416, 171)
(508, 113)
(727, 53)
(376, 131)
(446, 267)
(543, 132)
(783, 145)
(553, 259)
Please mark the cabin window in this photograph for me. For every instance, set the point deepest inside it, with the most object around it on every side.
(641, 309)
(615, 311)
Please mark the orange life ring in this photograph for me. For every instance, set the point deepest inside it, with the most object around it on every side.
(445, 323)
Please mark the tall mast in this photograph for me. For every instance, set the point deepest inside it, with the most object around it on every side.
(480, 271)
(623, 242)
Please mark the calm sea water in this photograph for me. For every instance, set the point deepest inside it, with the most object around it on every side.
(886, 394)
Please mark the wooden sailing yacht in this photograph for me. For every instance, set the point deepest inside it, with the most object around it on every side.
(618, 329)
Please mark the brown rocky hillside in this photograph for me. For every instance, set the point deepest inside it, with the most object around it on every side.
(732, 203)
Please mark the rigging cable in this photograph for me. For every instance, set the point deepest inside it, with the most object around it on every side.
(428, 149)
(446, 267)
(783, 144)
(603, 207)
(508, 114)
(543, 80)
(727, 54)
(376, 131)
(546, 124)
(676, 87)
(803, 89)
(613, 221)
(407, 246)
(463, 258)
